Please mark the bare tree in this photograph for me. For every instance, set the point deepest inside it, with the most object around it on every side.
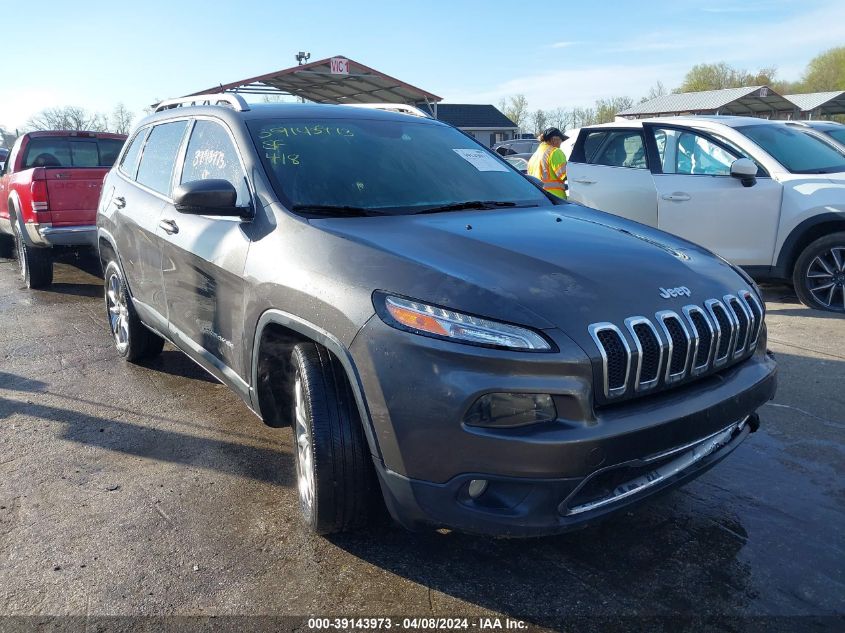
(516, 109)
(68, 118)
(121, 119)
(657, 90)
(539, 121)
(7, 137)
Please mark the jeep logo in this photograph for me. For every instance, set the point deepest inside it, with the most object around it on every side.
(668, 293)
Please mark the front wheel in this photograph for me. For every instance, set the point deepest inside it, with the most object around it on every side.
(819, 275)
(335, 476)
(132, 340)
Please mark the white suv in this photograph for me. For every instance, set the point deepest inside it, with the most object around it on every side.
(762, 194)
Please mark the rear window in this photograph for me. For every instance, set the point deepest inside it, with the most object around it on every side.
(61, 151)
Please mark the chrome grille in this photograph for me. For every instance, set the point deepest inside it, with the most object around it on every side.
(672, 347)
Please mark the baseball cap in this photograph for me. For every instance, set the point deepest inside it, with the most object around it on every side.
(549, 132)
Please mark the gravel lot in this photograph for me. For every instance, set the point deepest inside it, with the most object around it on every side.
(153, 491)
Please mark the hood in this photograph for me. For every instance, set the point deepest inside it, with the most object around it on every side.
(563, 267)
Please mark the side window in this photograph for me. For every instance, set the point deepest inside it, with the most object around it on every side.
(592, 143)
(129, 162)
(688, 153)
(156, 168)
(622, 149)
(211, 154)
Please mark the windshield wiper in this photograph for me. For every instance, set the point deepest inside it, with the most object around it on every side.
(470, 204)
(340, 210)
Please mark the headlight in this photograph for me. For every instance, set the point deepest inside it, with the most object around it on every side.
(429, 320)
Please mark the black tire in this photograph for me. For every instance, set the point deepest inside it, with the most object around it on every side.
(133, 341)
(345, 494)
(7, 246)
(819, 274)
(35, 264)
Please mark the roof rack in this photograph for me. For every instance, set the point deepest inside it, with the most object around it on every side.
(235, 101)
(402, 108)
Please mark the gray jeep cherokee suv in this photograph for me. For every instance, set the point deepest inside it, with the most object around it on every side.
(440, 333)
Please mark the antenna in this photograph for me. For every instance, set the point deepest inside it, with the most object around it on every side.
(302, 56)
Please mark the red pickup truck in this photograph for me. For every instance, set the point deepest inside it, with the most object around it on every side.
(49, 189)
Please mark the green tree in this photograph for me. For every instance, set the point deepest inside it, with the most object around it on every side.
(607, 109)
(515, 108)
(721, 75)
(825, 72)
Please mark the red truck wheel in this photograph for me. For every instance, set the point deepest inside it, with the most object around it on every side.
(36, 264)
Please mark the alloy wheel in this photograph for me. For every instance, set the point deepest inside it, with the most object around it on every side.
(118, 312)
(826, 278)
(21, 248)
(304, 454)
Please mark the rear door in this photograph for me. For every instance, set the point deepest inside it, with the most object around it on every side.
(699, 200)
(204, 257)
(609, 171)
(148, 166)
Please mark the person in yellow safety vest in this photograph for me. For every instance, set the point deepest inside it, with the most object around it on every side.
(549, 163)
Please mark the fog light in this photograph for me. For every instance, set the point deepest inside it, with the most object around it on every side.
(503, 410)
(477, 487)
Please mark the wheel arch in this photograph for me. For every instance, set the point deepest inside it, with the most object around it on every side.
(276, 334)
(802, 235)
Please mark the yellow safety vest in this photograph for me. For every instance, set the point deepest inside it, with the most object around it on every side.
(549, 165)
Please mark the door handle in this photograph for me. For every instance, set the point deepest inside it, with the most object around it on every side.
(676, 197)
(169, 226)
(584, 181)
(120, 202)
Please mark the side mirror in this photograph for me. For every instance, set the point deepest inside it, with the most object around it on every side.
(207, 197)
(745, 170)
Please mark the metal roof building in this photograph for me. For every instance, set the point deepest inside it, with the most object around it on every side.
(759, 101)
(815, 104)
(484, 122)
(331, 80)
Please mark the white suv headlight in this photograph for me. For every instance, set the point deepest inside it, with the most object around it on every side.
(428, 320)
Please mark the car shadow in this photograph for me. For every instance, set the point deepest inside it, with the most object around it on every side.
(176, 363)
(147, 441)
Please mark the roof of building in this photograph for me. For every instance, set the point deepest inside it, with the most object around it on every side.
(828, 102)
(331, 80)
(467, 115)
(749, 100)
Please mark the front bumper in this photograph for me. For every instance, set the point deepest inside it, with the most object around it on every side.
(545, 478)
(46, 235)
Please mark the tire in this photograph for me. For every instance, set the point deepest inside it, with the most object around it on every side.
(7, 246)
(35, 264)
(819, 274)
(335, 477)
(132, 339)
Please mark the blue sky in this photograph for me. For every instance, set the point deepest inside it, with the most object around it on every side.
(96, 54)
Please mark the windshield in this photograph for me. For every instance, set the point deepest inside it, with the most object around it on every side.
(384, 167)
(799, 152)
(836, 135)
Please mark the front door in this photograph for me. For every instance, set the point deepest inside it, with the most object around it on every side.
(203, 261)
(699, 200)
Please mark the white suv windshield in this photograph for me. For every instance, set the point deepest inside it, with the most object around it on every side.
(800, 153)
(384, 166)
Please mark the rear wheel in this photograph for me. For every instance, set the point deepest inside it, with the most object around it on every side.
(35, 264)
(334, 470)
(819, 275)
(132, 339)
